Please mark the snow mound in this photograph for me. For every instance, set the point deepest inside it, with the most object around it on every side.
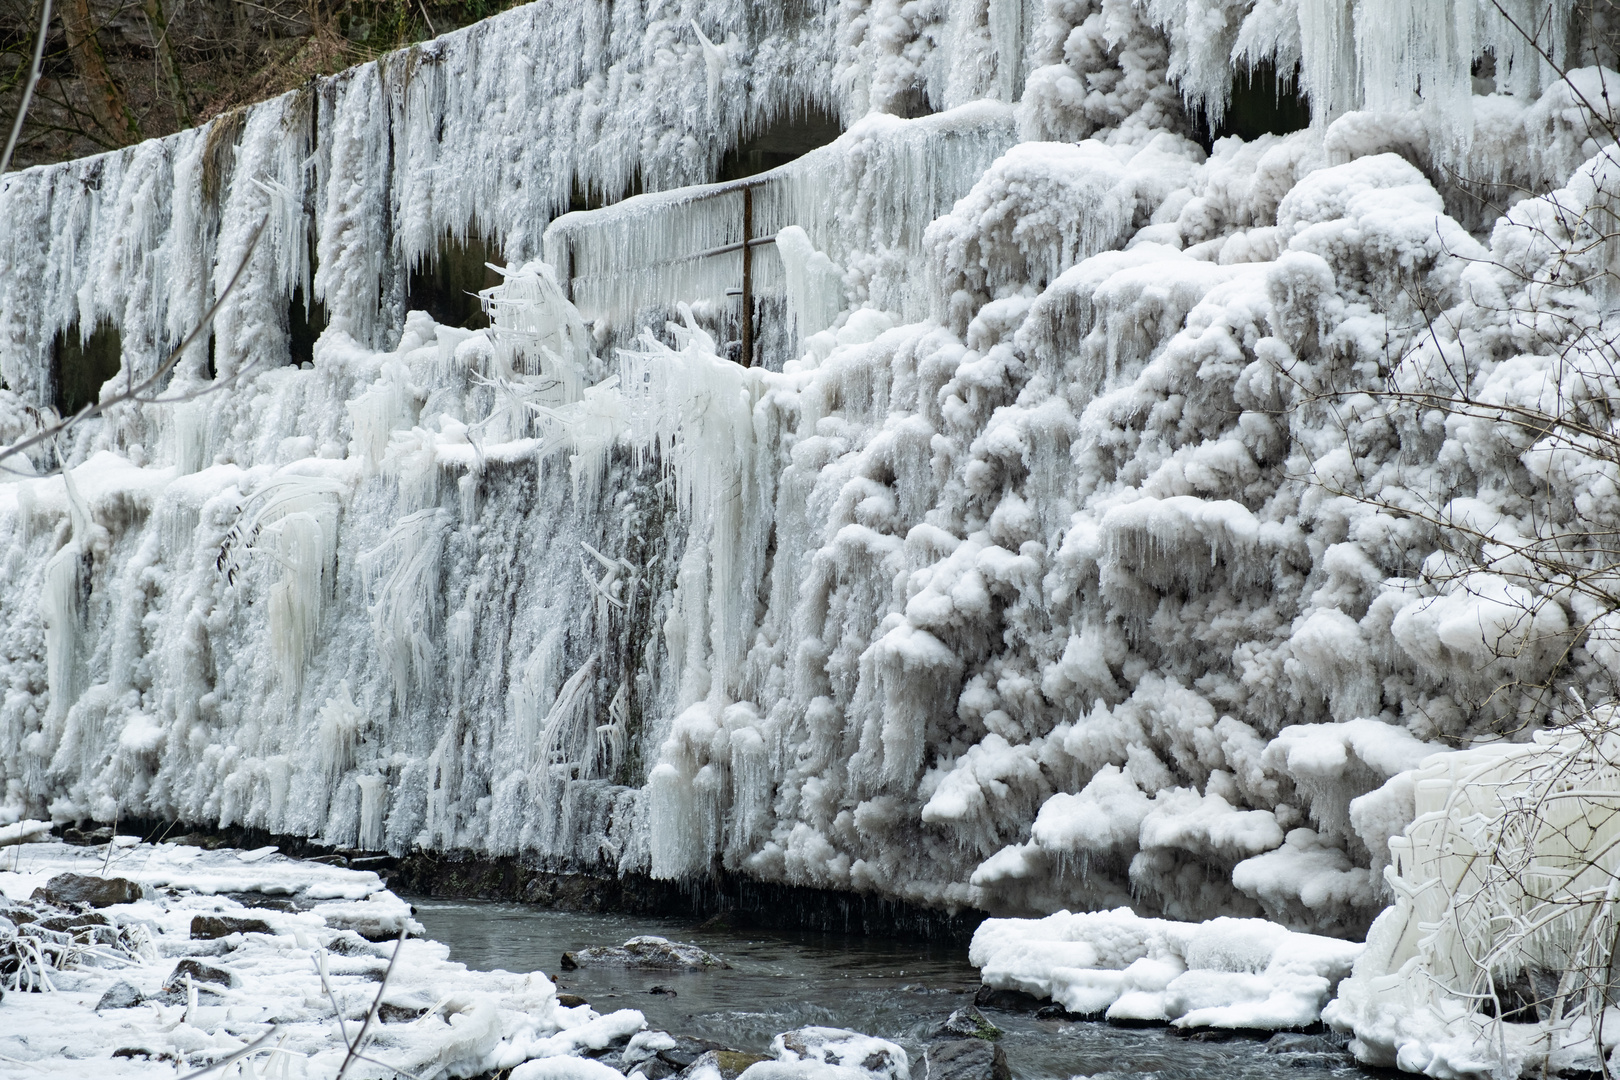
(1224, 973)
(145, 989)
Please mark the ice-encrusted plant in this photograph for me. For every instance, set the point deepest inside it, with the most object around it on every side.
(1504, 927)
(32, 951)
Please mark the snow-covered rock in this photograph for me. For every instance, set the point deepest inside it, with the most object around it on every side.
(1224, 973)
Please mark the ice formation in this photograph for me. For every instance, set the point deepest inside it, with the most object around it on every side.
(1031, 571)
(1224, 973)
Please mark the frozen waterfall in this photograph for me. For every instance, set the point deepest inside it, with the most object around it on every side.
(1027, 573)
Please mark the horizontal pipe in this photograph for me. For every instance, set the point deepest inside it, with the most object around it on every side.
(738, 246)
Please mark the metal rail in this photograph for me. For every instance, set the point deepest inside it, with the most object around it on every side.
(746, 245)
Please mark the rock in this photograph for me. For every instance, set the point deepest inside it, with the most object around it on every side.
(64, 889)
(687, 1050)
(668, 991)
(571, 1001)
(69, 921)
(729, 1063)
(840, 1046)
(655, 1068)
(120, 995)
(389, 1013)
(207, 927)
(966, 1059)
(199, 972)
(967, 1023)
(1056, 1012)
(1291, 1042)
(1006, 1000)
(644, 952)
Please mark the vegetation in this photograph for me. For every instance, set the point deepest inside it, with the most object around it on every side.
(119, 71)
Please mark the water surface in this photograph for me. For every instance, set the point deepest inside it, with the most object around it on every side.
(780, 980)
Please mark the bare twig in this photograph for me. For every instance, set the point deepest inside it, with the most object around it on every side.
(28, 87)
(371, 1013)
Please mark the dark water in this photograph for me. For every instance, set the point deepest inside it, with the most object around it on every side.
(783, 980)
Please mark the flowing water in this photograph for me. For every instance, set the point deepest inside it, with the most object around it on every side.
(780, 980)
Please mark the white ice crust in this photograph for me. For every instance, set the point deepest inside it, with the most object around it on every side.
(1223, 973)
(471, 1022)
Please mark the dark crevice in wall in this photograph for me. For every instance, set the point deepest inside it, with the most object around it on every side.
(788, 137)
(446, 287)
(80, 367)
(1262, 104)
(306, 318)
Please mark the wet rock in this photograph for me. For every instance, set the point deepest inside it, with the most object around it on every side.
(390, 1013)
(655, 1068)
(665, 990)
(1006, 1000)
(967, 1023)
(207, 927)
(1056, 1012)
(729, 1063)
(641, 1055)
(199, 972)
(69, 921)
(349, 943)
(1290, 1042)
(571, 1001)
(648, 952)
(120, 995)
(686, 1050)
(966, 1059)
(64, 889)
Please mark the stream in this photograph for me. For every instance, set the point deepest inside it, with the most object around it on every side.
(781, 980)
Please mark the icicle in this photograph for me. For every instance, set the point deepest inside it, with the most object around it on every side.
(815, 287)
(64, 624)
(402, 581)
(340, 723)
(565, 736)
(373, 796)
(714, 60)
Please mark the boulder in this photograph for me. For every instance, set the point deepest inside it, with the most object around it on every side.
(967, 1023)
(199, 972)
(208, 927)
(686, 1051)
(648, 952)
(98, 892)
(966, 1059)
(1293, 1042)
(120, 995)
(728, 1063)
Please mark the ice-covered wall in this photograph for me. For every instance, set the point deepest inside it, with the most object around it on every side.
(1031, 577)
